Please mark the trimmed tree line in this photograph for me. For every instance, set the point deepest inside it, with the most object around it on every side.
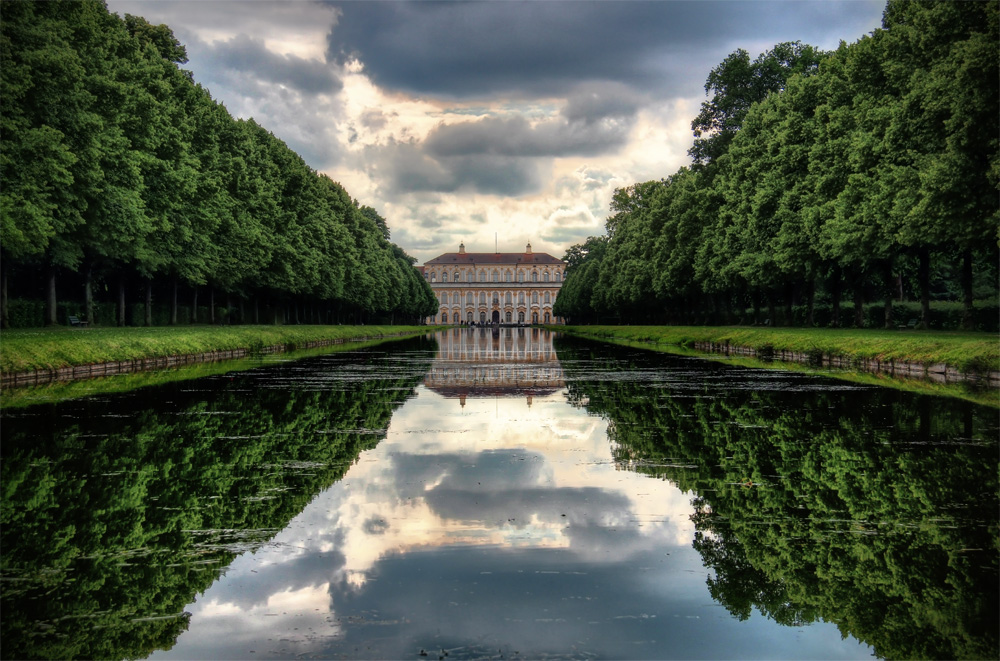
(122, 176)
(870, 172)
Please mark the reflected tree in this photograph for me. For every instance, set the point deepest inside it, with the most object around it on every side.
(874, 509)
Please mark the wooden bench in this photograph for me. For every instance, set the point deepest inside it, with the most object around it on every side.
(910, 325)
(76, 321)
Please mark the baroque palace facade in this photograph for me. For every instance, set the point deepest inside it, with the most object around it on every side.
(494, 288)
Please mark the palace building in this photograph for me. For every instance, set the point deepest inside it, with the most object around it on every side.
(494, 288)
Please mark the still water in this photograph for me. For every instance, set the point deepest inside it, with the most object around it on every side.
(500, 494)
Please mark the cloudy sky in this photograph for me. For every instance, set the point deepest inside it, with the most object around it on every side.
(484, 121)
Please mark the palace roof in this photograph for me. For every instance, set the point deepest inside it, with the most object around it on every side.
(450, 258)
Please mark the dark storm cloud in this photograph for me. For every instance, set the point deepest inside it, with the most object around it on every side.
(406, 168)
(248, 55)
(467, 49)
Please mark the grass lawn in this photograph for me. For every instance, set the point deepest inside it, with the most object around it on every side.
(53, 348)
(967, 352)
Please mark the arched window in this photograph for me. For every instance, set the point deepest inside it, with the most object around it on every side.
(482, 275)
(496, 276)
(444, 317)
(545, 276)
(546, 317)
(558, 276)
(534, 298)
(547, 300)
(520, 276)
(482, 298)
(520, 299)
(433, 276)
(508, 299)
(469, 300)
(507, 317)
(469, 275)
(444, 276)
(534, 276)
(444, 298)
(455, 276)
(496, 298)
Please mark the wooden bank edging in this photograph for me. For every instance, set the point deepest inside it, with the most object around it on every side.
(75, 372)
(938, 373)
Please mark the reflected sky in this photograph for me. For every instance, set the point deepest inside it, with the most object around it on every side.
(491, 520)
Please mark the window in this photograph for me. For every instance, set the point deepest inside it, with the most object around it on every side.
(507, 317)
(558, 276)
(547, 300)
(455, 276)
(496, 276)
(433, 277)
(496, 298)
(508, 299)
(444, 317)
(520, 299)
(482, 275)
(545, 276)
(468, 278)
(444, 277)
(520, 276)
(534, 298)
(469, 300)
(546, 317)
(534, 276)
(482, 298)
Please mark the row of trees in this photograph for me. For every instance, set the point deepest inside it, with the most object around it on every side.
(872, 169)
(118, 168)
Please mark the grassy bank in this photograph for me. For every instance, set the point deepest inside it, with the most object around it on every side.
(967, 352)
(54, 348)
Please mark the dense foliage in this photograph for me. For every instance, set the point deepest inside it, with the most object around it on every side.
(123, 176)
(873, 509)
(871, 169)
(112, 522)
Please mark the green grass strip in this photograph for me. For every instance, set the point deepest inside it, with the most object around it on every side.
(55, 348)
(58, 391)
(966, 352)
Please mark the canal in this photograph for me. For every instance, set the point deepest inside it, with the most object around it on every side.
(500, 494)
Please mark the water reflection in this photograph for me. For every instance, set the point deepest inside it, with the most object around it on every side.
(492, 494)
(501, 362)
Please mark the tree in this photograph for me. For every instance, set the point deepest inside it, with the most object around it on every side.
(736, 84)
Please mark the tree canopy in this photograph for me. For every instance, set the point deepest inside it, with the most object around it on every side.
(872, 169)
(118, 167)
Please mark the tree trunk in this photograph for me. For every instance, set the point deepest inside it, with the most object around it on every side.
(811, 302)
(924, 276)
(194, 305)
(789, 304)
(229, 309)
(211, 305)
(756, 308)
(967, 322)
(835, 294)
(859, 301)
(256, 311)
(121, 300)
(4, 312)
(51, 311)
(243, 314)
(889, 284)
(88, 294)
(173, 301)
(771, 308)
(148, 321)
